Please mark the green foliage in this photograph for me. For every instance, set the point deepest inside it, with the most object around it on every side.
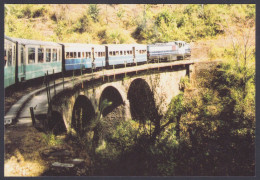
(176, 107)
(183, 22)
(51, 140)
(117, 36)
(120, 13)
(27, 10)
(93, 11)
(82, 24)
(222, 115)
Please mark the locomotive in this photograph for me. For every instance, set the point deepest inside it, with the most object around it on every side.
(29, 59)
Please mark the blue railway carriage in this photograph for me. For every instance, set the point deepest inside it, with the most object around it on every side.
(10, 62)
(118, 54)
(161, 51)
(35, 58)
(140, 53)
(99, 56)
(77, 56)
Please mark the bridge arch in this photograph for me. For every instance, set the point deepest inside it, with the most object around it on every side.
(82, 114)
(111, 94)
(141, 100)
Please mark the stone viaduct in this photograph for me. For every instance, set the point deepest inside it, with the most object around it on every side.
(132, 96)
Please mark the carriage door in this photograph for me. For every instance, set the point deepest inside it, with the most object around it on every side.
(93, 58)
(22, 63)
(134, 55)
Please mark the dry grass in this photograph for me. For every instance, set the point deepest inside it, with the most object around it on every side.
(22, 152)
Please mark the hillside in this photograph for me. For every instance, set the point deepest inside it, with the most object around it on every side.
(125, 23)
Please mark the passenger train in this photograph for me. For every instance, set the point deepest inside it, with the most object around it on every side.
(29, 59)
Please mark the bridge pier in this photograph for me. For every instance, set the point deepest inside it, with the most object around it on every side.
(127, 110)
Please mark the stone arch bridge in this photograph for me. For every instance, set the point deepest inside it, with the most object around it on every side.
(142, 94)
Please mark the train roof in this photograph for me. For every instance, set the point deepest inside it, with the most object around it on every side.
(125, 46)
(159, 45)
(8, 38)
(33, 42)
(83, 47)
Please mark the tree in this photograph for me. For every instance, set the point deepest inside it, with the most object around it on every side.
(93, 11)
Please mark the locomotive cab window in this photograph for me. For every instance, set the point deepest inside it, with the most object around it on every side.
(48, 55)
(40, 55)
(31, 55)
(54, 55)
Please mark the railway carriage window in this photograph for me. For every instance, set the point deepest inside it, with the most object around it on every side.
(22, 56)
(99, 54)
(114, 53)
(121, 52)
(40, 55)
(31, 55)
(9, 59)
(74, 55)
(67, 55)
(103, 54)
(54, 55)
(79, 55)
(124, 52)
(128, 52)
(71, 55)
(48, 55)
(110, 53)
(131, 52)
(14, 54)
(83, 54)
(89, 54)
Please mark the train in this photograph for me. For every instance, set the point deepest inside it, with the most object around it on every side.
(30, 59)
